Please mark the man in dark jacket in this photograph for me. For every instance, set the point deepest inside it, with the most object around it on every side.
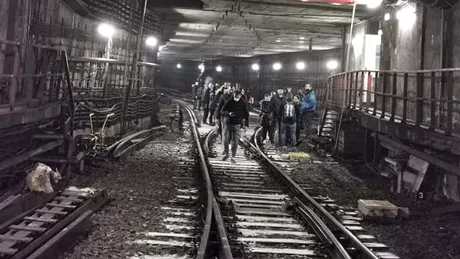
(236, 110)
(214, 102)
(199, 92)
(194, 89)
(221, 121)
(276, 102)
(206, 100)
(299, 125)
(266, 117)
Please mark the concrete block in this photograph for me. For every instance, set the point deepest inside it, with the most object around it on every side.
(377, 208)
(403, 212)
(299, 156)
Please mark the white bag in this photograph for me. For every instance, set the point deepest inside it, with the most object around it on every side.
(39, 178)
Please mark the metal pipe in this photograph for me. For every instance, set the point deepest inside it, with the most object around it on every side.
(451, 168)
(351, 35)
(133, 71)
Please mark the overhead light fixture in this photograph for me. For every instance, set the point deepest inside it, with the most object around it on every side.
(332, 64)
(371, 4)
(301, 38)
(387, 17)
(179, 66)
(277, 66)
(151, 41)
(219, 69)
(406, 16)
(300, 65)
(278, 40)
(380, 32)
(106, 30)
(201, 67)
(255, 67)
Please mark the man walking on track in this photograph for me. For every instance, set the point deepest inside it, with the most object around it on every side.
(236, 110)
(308, 109)
(288, 122)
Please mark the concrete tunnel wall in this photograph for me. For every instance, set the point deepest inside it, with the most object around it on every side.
(416, 47)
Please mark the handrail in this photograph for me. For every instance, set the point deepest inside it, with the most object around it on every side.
(399, 71)
(425, 97)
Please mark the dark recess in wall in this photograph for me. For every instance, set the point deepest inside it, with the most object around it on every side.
(169, 76)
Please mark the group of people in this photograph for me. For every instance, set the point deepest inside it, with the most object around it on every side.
(282, 114)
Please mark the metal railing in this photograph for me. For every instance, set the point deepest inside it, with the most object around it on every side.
(30, 72)
(423, 98)
(107, 78)
(98, 108)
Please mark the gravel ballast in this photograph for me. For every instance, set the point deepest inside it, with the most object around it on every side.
(140, 186)
(423, 236)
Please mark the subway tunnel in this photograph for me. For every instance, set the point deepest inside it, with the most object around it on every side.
(148, 129)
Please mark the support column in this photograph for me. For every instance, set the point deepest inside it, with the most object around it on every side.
(343, 36)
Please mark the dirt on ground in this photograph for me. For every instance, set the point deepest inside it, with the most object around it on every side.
(138, 186)
(422, 236)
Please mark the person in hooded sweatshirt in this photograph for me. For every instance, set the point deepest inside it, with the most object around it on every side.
(236, 110)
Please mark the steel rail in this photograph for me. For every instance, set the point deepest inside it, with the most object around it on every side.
(305, 197)
(202, 249)
(227, 252)
(320, 228)
(119, 147)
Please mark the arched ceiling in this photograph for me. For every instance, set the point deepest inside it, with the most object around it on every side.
(213, 29)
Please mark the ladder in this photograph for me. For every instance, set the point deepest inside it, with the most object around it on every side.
(327, 122)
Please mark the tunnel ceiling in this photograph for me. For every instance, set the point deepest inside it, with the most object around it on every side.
(212, 29)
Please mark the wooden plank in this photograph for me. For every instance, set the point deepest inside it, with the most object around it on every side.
(27, 228)
(58, 205)
(44, 220)
(63, 213)
(68, 198)
(16, 238)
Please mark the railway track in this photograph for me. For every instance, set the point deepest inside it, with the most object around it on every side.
(254, 210)
(39, 232)
(345, 221)
(264, 220)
